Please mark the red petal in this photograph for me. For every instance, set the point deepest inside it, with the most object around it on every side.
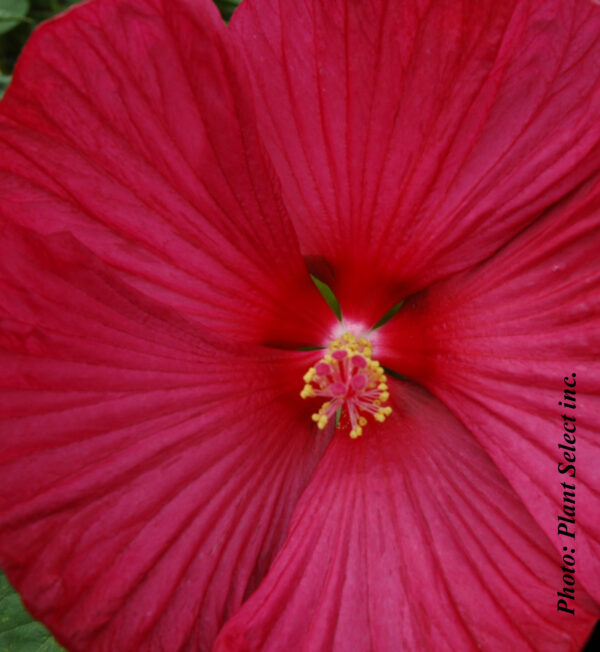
(495, 344)
(127, 125)
(415, 138)
(410, 538)
(146, 477)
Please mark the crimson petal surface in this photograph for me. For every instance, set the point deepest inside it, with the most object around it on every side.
(415, 138)
(410, 538)
(147, 476)
(495, 344)
(127, 124)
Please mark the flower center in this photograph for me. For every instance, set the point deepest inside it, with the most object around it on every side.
(348, 376)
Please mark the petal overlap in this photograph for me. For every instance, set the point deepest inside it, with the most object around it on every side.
(410, 538)
(127, 124)
(147, 475)
(495, 344)
(413, 139)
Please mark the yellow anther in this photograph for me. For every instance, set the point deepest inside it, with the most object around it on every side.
(350, 379)
(309, 375)
(356, 432)
(307, 391)
(382, 413)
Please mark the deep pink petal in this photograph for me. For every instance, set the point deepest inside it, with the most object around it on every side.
(495, 344)
(147, 478)
(415, 138)
(410, 539)
(127, 124)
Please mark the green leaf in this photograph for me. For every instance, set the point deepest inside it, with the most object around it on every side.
(395, 374)
(13, 12)
(18, 631)
(227, 7)
(388, 315)
(4, 82)
(329, 296)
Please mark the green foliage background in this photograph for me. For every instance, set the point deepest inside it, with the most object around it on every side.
(18, 632)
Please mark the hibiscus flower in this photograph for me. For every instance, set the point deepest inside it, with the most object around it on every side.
(168, 186)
